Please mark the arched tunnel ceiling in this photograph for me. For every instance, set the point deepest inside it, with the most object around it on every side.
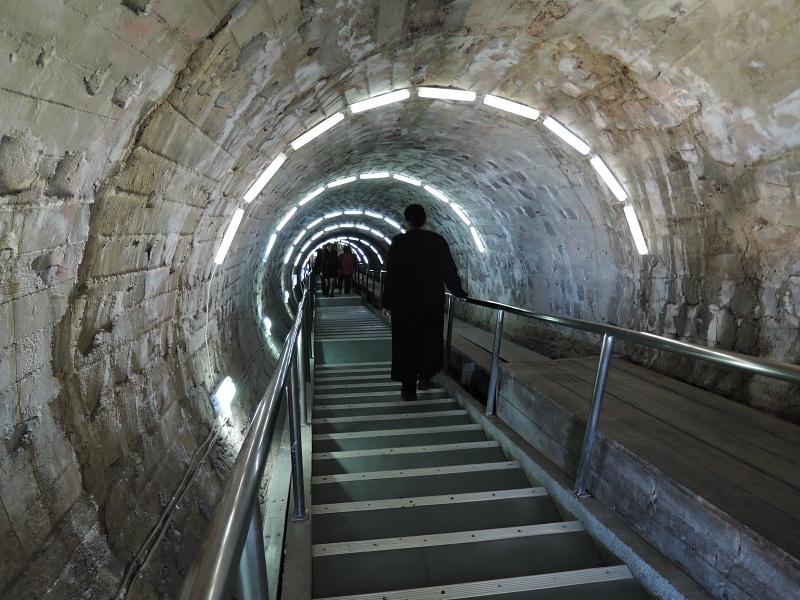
(133, 129)
(519, 184)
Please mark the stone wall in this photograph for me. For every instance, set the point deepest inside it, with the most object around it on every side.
(132, 129)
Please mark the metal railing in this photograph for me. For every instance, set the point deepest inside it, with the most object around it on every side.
(610, 333)
(234, 542)
(369, 282)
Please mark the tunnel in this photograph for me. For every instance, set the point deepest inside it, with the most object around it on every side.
(168, 167)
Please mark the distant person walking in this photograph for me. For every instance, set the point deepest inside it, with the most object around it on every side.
(329, 268)
(347, 266)
(418, 268)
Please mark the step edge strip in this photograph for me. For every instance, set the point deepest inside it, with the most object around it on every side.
(421, 472)
(331, 386)
(400, 450)
(391, 417)
(445, 539)
(355, 364)
(352, 339)
(362, 376)
(413, 502)
(319, 437)
(365, 394)
(383, 404)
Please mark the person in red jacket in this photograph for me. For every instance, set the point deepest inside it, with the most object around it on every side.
(419, 267)
(347, 266)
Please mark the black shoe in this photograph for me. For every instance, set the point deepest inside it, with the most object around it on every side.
(426, 384)
(408, 396)
(409, 391)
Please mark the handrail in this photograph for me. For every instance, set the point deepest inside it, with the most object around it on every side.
(208, 577)
(743, 362)
(610, 333)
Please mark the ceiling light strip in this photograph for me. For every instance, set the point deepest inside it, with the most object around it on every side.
(407, 179)
(608, 178)
(636, 230)
(478, 241)
(270, 244)
(512, 107)
(311, 196)
(286, 219)
(379, 101)
(317, 131)
(264, 178)
(230, 233)
(446, 94)
(341, 181)
(566, 135)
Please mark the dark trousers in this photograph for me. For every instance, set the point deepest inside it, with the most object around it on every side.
(347, 283)
(417, 343)
(327, 285)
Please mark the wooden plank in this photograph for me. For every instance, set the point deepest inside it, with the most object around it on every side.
(752, 498)
(549, 409)
(714, 549)
(509, 350)
(474, 353)
(739, 439)
(724, 408)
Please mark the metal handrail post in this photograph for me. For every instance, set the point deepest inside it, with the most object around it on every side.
(590, 434)
(252, 582)
(451, 303)
(309, 323)
(295, 440)
(380, 289)
(491, 397)
(300, 359)
(373, 287)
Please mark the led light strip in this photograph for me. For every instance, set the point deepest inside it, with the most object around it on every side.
(347, 239)
(350, 213)
(358, 251)
(436, 193)
(436, 93)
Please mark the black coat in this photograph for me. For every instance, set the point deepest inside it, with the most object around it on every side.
(419, 266)
(330, 263)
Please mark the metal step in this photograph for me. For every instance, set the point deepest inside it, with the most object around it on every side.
(598, 583)
(385, 385)
(481, 452)
(449, 514)
(390, 395)
(377, 408)
(412, 502)
(377, 398)
(402, 450)
(417, 436)
(325, 387)
(357, 365)
(355, 377)
(444, 539)
(464, 557)
(403, 483)
(387, 422)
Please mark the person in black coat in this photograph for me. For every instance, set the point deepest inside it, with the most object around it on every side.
(330, 268)
(418, 268)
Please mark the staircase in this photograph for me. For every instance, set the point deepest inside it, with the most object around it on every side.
(410, 500)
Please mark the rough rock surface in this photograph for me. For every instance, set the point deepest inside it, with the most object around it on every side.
(125, 150)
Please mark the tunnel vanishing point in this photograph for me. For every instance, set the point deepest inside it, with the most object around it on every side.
(168, 166)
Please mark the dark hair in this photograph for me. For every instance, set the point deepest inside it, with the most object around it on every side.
(415, 215)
